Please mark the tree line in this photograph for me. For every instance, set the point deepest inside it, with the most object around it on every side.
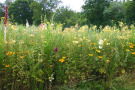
(94, 12)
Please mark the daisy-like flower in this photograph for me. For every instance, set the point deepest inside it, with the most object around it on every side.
(100, 57)
(93, 44)
(51, 65)
(61, 60)
(90, 54)
(133, 53)
(7, 66)
(63, 57)
(98, 51)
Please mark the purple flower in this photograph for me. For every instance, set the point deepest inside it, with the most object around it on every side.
(56, 49)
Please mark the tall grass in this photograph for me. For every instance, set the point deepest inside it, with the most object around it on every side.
(46, 58)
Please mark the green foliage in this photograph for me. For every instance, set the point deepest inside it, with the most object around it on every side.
(114, 12)
(130, 12)
(68, 17)
(21, 11)
(43, 8)
(2, 10)
(37, 12)
(93, 10)
(1, 45)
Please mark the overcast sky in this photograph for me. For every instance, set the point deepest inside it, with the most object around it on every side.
(73, 4)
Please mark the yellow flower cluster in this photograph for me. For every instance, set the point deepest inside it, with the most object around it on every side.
(62, 60)
(10, 53)
(131, 45)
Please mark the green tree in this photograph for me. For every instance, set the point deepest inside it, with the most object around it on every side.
(68, 17)
(21, 11)
(93, 10)
(2, 10)
(8, 2)
(114, 12)
(130, 11)
(42, 8)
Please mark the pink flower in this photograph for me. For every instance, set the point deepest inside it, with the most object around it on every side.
(56, 49)
(42, 25)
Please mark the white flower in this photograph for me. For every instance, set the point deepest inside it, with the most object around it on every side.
(51, 78)
(100, 42)
(100, 47)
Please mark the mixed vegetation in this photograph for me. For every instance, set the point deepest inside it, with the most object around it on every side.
(63, 49)
(78, 57)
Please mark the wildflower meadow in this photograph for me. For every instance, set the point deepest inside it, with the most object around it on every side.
(46, 57)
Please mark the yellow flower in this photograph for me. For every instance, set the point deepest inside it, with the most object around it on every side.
(133, 53)
(98, 51)
(131, 43)
(7, 66)
(79, 45)
(132, 49)
(13, 52)
(94, 48)
(100, 57)
(123, 71)
(93, 43)
(101, 70)
(51, 65)
(27, 52)
(9, 53)
(22, 57)
(61, 60)
(127, 50)
(63, 57)
(75, 42)
(108, 44)
(131, 46)
(107, 61)
(90, 54)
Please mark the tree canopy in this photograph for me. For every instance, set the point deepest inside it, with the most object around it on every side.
(95, 12)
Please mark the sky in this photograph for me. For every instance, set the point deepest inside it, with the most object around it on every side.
(73, 4)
